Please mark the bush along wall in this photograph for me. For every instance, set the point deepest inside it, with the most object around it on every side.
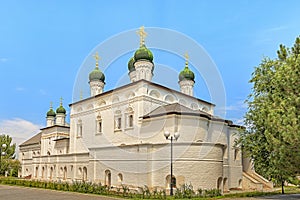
(185, 191)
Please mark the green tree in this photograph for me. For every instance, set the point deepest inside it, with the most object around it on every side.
(272, 137)
(9, 154)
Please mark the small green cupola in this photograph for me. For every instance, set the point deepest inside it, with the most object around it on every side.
(96, 74)
(186, 73)
(143, 53)
(51, 112)
(131, 67)
(61, 109)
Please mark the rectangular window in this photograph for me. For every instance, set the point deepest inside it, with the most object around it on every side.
(130, 121)
(119, 123)
(118, 120)
(99, 125)
(79, 130)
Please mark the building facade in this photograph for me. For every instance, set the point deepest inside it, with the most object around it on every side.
(117, 137)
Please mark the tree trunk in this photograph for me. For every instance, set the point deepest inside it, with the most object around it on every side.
(282, 187)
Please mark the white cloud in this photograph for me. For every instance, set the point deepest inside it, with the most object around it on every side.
(238, 121)
(19, 129)
(43, 92)
(20, 89)
(3, 59)
(237, 106)
(275, 29)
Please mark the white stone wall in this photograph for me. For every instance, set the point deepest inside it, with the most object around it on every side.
(203, 154)
(149, 164)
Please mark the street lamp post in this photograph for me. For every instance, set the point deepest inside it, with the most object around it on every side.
(2, 153)
(171, 138)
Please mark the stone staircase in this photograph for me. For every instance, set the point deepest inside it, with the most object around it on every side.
(255, 182)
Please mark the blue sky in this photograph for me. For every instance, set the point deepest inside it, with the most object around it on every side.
(44, 43)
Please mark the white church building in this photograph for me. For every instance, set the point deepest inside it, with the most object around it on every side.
(119, 136)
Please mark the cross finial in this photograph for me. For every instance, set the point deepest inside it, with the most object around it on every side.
(97, 58)
(141, 32)
(61, 99)
(186, 55)
(51, 104)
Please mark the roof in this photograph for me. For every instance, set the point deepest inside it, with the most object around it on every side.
(34, 140)
(175, 108)
(56, 125)
(179, 109)
(136, 82)
(63, 138)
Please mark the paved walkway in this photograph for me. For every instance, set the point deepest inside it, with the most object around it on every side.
(17, 193)
(273, 197)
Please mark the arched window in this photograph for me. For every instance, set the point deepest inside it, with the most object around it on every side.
(51, 173)
(237, 155)
(36, 172)
(107, 178)
(99, 125)
(65, 173)
(79, 172)
(129, 117)
(225, 185)
(79, 128)
(61, 171)
(84, 174)
(120, 178)
(118, 120)
(168, 181)
(219, 183)
(43, 172)
(240, 183)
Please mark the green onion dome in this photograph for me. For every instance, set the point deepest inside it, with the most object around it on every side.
(61, 109)
(131, 64)
(143, 54)
(51, 113)
(96, 74)
(186, 74)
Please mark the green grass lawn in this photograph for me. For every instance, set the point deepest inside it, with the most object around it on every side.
(125, 193)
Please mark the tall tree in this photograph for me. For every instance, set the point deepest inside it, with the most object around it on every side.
(272, 137)
(8, 151)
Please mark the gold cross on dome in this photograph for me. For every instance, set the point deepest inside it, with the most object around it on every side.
(51, 104)
(61, 100)
(186, 55)
(141, 32)
(97, 58)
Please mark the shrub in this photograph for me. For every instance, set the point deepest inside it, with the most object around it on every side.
(184, 191)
